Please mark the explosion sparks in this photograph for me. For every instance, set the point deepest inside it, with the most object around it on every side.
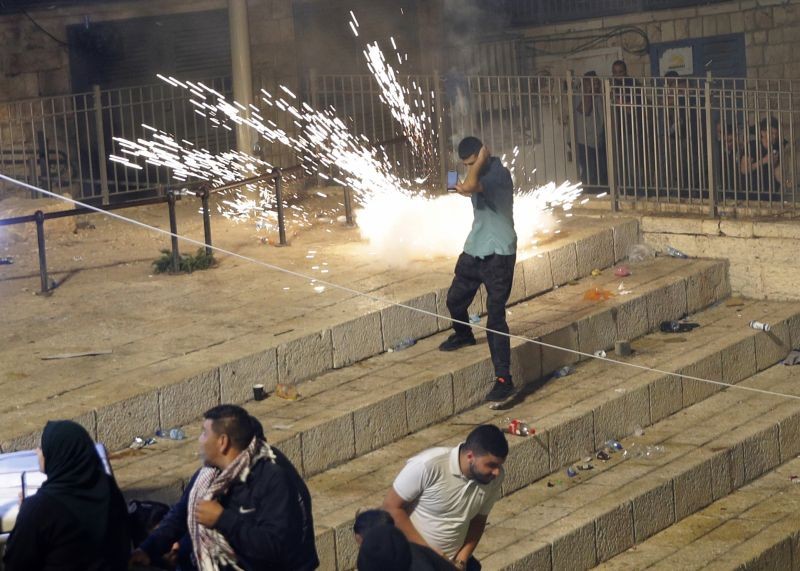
(397, 218)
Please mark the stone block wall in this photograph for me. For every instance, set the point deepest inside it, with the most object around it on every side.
(771, 30)
(33, 64)
(762, 254)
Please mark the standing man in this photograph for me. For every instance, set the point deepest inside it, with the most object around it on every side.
(442, 497)
(490, 253)
(244, 509)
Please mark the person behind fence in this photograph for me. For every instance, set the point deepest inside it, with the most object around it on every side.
(627, 127)
(78, 519)
(423, 558)
(590, 131)
(762, 163)
(489, 255)
(443, 496)
(242, 510)
(727, 158)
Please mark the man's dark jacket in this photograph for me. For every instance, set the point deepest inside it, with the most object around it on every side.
(267, 521)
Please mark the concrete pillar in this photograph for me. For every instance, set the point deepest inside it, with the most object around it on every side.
(241, 67)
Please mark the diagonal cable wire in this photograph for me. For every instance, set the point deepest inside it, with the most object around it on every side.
(379, 299)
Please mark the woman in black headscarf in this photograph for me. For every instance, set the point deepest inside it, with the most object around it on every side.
(78, 518)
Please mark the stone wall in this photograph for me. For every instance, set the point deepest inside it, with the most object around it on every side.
(771, 29)
(33, 64)
(762, 253)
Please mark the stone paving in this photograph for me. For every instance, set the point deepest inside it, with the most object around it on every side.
(184, 343)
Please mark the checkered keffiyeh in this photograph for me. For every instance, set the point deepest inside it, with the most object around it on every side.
(211, 549)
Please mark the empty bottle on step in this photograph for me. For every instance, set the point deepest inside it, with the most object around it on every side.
(404, 344)
(564, 371)
(675, 253)
(760, 326)
(172, 434)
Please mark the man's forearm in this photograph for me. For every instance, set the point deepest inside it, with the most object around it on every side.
(474, 534)
(404, 524)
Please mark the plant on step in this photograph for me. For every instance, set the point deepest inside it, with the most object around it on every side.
(188, 263)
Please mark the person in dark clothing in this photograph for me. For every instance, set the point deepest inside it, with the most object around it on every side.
(242, 510)
(422, 558)
(762, 163)
(77, 521)
(384, 548)
(489, 255)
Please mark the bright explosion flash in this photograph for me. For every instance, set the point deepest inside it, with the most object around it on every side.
(400, 222)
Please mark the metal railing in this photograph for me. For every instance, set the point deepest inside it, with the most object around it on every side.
(696, 141)
(63, 143)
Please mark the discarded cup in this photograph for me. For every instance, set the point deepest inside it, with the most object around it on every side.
(571, 472)
(675, 253)
(614, 445)
(600, 353)
(622, 348)
(172, 434)
(639, 253)
(404, 344)
(585, 467)
(287, 392)
(474, 318)
(519, 427)
(622, 271)
(259, 393)
(603, 455)
(760, 326)
(564, 371)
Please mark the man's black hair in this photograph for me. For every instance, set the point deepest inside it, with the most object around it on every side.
(469, 146)
(590, 73)
(672, 73)
(368, 519)
(234, 422)
(620, 62)
(487, 439)
(771, 121)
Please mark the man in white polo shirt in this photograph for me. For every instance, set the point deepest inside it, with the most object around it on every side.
(443, 496)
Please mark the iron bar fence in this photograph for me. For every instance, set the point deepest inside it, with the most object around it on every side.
(63, 143)
(712, 142)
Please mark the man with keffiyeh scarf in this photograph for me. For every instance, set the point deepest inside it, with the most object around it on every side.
(246, 509)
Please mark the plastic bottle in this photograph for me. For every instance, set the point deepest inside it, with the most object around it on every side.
(519, 427)
(404, 344)
(675, 253)
(564, 371)
(760, 326)
(172, 434)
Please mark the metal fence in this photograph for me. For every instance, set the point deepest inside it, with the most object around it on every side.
(675, 141)
(63, 143)
(668, 141)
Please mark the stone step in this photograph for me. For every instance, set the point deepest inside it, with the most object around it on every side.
(711, 449)
(573, 415)
(396, 394)
(755, 527)
(166, 389)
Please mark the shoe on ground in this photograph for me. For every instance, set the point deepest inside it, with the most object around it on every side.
(502, 389)
(456, 341)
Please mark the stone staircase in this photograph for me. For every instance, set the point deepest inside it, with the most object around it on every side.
(755, 527)
(117, 404)
(364, 413)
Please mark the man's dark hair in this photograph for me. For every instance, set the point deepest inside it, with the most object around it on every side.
(487, 439)
(672, 73)
(620, 62)
(590, 73)
(368, 519)
(469, 146)
(234, 422)
(771, 121)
